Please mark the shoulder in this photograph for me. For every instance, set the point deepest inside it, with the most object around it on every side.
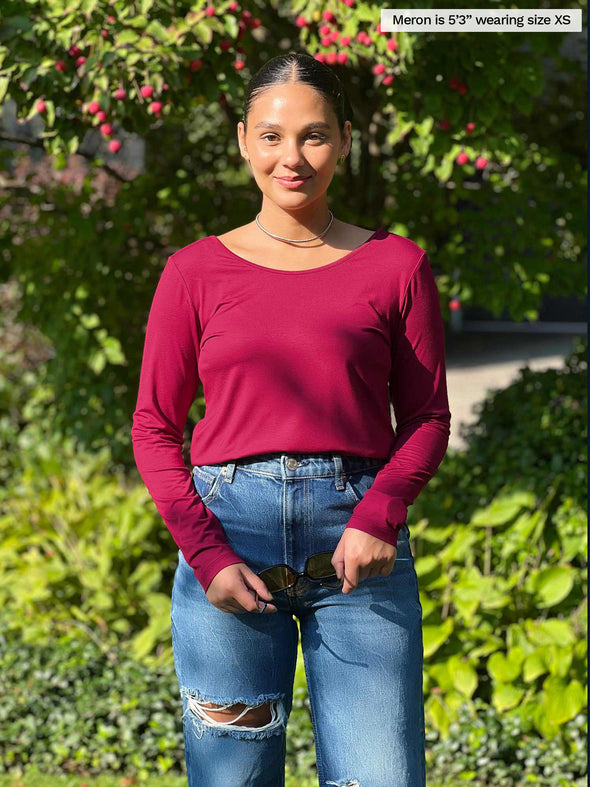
(194, 255)
(403, 247)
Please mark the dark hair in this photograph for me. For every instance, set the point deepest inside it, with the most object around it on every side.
(300, 67)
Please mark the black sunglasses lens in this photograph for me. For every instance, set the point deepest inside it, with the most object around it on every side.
(320, 567)
(277, 578)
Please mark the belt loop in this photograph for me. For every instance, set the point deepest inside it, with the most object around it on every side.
(229, 471)
(339, 476)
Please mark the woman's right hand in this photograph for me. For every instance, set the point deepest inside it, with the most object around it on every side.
(236, 588)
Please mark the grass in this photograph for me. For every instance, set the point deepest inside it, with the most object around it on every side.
(33, 778)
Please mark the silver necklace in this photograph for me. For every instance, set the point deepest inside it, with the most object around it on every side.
(293, 240)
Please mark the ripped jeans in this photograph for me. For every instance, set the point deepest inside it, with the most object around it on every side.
(362, 651)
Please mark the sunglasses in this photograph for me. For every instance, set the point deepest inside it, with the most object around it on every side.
(317, 567)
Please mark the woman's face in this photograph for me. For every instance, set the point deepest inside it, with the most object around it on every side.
(292, 131)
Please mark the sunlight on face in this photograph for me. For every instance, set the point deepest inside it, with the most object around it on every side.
(292, 131)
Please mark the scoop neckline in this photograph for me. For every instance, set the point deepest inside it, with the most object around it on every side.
(332, 264)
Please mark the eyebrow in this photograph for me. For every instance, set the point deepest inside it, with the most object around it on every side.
(314, 124)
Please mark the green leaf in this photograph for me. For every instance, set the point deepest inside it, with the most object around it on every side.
(435, 636)
(463, 675)
(563, 701)
(553, 585)
(127, 37)
(505, 668)
(506, 696)
(503, 508)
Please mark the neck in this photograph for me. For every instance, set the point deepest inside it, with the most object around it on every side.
(301, 224)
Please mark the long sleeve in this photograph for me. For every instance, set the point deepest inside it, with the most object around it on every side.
(167, 387)
(418, 391)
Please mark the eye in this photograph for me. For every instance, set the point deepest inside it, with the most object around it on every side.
(312, 135)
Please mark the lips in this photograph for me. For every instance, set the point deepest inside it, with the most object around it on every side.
(292, 183)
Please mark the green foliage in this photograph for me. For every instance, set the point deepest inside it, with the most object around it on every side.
(501, 553)
(485, 747)
(74, 707)
(70, 706)
(81, 548)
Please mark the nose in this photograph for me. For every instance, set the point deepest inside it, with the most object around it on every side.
(292, 155)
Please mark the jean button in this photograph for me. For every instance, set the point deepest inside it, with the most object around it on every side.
(292, 463)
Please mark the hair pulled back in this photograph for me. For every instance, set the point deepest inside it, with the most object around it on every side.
(303, 68)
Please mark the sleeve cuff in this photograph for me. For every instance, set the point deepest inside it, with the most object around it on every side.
(210, 563)
(380, 515)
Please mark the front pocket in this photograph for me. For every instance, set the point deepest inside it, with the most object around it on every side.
(359, 482)
(208, 482)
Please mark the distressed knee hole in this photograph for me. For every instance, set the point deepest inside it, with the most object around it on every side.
(243, 720)
(256, 717)
(351, 783)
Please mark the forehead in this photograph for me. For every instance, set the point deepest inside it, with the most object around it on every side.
(289, 103)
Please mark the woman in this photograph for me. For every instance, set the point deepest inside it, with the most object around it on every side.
(299, 326)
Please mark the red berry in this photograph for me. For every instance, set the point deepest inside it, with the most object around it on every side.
(320, 57)
(246, 14)
(334, 36)
(233, 6)
(93, 107)
(254, 23)
(454, 83)
(165, 86)
(331, 58)
(469, 127)
(225, 44)
(325, 41)
(210, 10)
(74, 51)
(239, 65)
(194, 65)
(114, 145)
(388, 79)
(106, 129)
(325, 30)
(345, 41)
(445, 125)
(80, 61)
(342, 58)
(60, 65)
(120, 94)
(155, 106)
(378, 68)
(328, 16)
(101, 115)
(111, 19)
(462, 89)
(104, 33)
(391, 44)
(481, 162)
(455, 304)
(301, 21)
(147, 91)
(40, 105)
(462, 158)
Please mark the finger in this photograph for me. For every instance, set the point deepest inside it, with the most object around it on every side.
(351, 577)
(338, 563)
(255, 583)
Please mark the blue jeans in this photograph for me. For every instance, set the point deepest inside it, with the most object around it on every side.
(363, 652)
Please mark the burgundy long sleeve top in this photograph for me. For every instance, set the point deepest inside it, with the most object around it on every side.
(302, 361)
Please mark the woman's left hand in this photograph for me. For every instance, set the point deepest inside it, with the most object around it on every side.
(360, 556)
